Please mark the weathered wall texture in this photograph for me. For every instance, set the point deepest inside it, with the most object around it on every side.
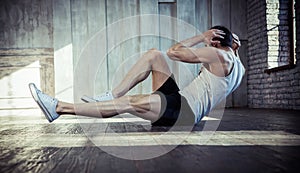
(26, 51)
(95, 74)
(67, 26)
(26, 24)
(279, 89)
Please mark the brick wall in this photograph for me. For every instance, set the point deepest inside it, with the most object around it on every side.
(278, 89)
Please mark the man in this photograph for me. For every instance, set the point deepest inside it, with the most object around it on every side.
(221, 74)
(236, 44)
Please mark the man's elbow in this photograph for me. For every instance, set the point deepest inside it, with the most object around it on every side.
(172, 54)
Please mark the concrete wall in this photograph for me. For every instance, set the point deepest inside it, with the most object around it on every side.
(279, 89)
(26, 52)
(89, 55)
(102, 64)
(63, 50)
(26, 24)
(35, 35)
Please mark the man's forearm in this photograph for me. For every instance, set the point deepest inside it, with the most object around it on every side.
(182, 51)
(178, 48)
(190, 42)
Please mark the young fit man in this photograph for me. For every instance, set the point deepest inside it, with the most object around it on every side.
(221, 74)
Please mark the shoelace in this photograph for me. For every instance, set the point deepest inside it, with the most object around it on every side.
(45, 97)
(102, 96)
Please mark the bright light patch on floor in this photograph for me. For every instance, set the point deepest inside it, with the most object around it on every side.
(219, 138)
(40, 137)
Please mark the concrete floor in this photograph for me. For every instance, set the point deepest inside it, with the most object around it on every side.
(245, 140)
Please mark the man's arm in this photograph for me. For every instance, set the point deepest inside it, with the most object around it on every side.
(199, 55)
(182, 51)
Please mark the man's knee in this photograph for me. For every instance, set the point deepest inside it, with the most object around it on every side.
(154, 51)
(155, 54)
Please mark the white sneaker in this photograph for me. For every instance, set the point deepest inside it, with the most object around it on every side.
(103, 97)
(45, 102)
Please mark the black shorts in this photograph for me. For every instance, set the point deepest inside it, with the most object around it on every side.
(174, 107)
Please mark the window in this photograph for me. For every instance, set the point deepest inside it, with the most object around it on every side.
(280, 15)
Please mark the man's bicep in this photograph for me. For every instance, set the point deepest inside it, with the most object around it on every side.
(192, 55)
(199, 55)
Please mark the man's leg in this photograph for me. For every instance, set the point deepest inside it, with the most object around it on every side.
(152, 61)
(144, 106)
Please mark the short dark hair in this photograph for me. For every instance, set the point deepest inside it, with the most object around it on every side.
(227, 41)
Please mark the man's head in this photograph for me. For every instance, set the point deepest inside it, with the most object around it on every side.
(227, 40)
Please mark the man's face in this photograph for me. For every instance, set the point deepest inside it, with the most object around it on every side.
(216, 45)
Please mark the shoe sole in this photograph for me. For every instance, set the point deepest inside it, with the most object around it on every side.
(36, 98)
(87, 99)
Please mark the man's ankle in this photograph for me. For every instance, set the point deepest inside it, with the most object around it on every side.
(58, 108)
(115, 94)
